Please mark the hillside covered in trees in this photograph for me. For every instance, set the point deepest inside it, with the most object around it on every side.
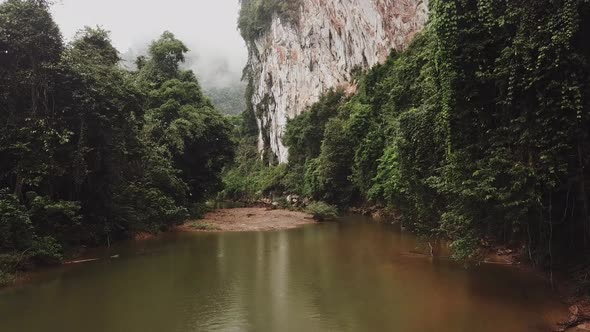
(229, 100)
(478, 131)
(91, 153)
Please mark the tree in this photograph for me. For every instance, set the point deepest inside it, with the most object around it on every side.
(90, 152)
(165, 56)
(182, 121)
(30, 50)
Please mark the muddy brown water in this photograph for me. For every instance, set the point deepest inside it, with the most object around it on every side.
(355, 275)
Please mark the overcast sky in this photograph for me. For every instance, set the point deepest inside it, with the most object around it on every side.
(208, 27)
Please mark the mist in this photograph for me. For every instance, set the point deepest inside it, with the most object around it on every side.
(208, 27)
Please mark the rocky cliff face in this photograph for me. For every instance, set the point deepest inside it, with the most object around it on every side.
(293, 64)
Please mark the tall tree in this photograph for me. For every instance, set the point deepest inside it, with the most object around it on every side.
(183, 121)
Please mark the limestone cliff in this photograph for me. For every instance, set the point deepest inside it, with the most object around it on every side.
(293, 63)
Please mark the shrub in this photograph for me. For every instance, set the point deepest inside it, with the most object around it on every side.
(9, 264)
(322, 211)
(46, 251)
(16, 229)
(6, 278)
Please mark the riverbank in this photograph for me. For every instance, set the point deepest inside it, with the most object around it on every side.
(263, 217)
(247, 220)
(568, 290)
(575, 297)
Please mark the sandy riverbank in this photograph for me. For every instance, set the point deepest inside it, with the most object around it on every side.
(248, 219)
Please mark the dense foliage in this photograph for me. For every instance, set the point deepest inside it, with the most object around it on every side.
(480, 129)
(90, 152)
(248, 177)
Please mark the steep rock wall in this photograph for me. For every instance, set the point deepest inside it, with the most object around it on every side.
(293, 64)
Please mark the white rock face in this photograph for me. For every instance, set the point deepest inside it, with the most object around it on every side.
(293, 65)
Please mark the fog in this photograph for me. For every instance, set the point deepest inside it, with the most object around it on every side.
(208, 28)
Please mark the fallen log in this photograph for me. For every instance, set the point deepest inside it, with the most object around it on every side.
(81, 261)
(500, 263)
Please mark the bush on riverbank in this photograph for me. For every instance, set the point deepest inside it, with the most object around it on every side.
(10, 263)
(6, 278)
(322, 211)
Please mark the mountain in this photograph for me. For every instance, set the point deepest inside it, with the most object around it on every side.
(298, 49)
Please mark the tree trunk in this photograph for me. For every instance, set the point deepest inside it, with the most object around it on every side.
(18, 185)
(583, 194)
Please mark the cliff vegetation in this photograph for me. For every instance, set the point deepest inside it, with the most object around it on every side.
(256, 15)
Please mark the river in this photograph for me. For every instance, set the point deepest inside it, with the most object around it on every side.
(355, 275)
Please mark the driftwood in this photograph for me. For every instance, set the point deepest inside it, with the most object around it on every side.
(500, 263)
(82, 261)
(90, 260)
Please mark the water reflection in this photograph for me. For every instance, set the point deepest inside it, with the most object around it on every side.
(353, 276)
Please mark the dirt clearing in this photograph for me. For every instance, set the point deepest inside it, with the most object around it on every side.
(248, 219)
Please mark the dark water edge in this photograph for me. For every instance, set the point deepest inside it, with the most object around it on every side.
(355, 275)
